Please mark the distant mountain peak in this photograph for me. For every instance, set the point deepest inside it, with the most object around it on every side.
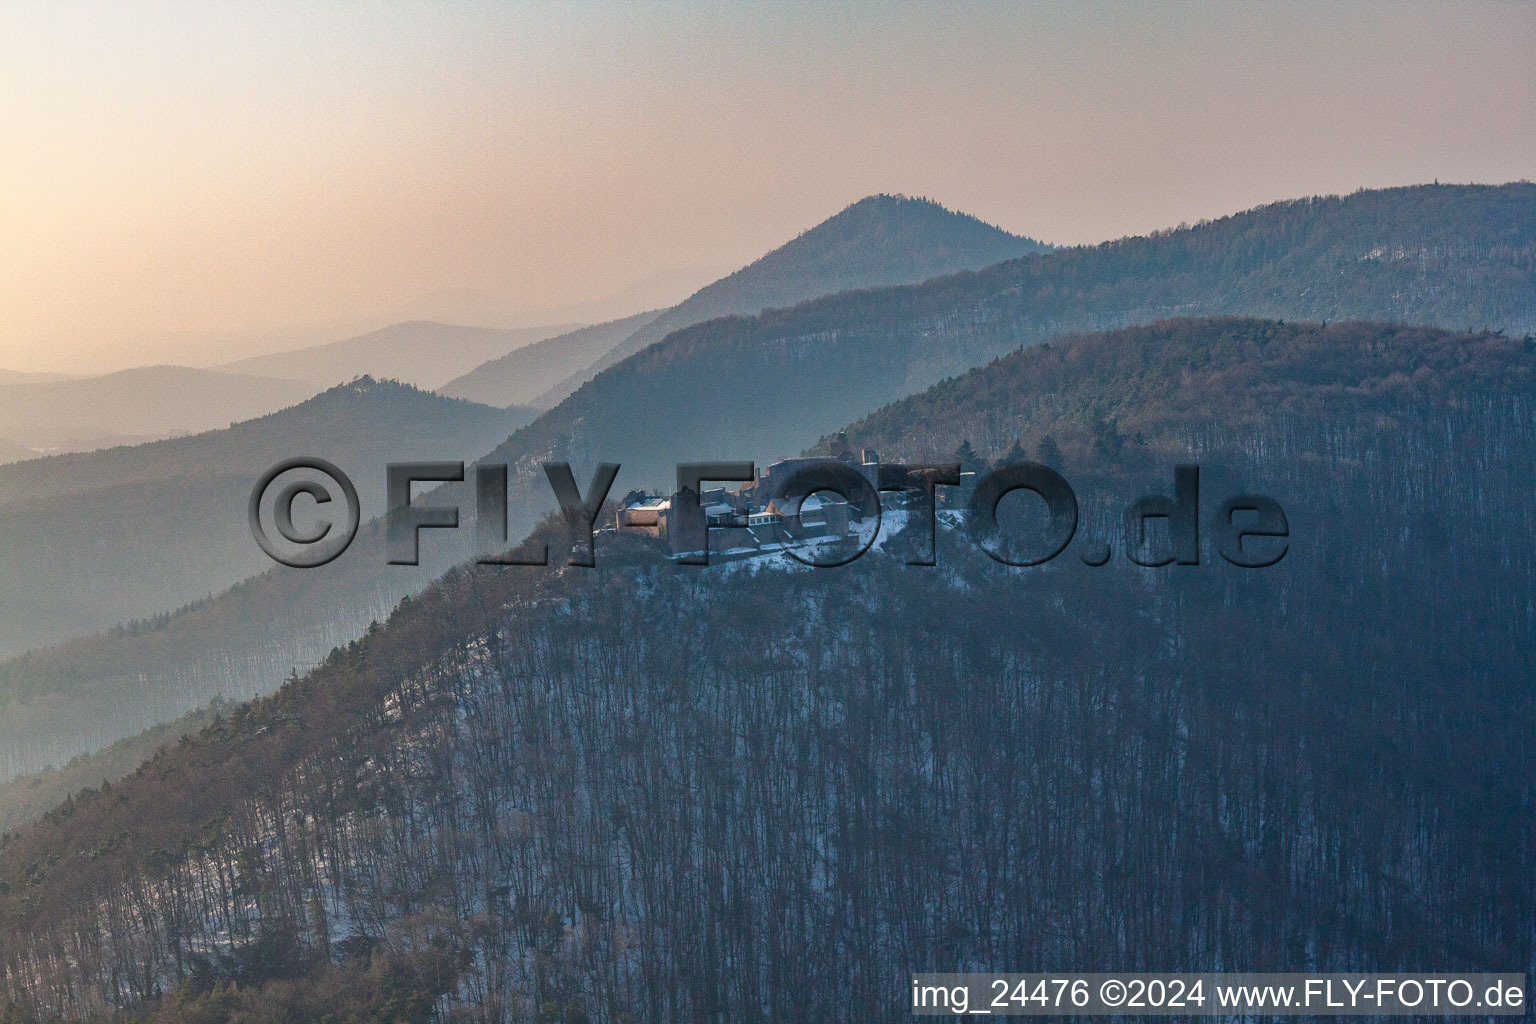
(365, 384)
(881, 240)
(888, 201)
(894, 219)
(896, 203)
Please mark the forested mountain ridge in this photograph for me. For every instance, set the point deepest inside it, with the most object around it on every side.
(771, 385)
(27, 798)
(521, 376)
(881, 240)
(1081, 390)
(1455, 256)
(654, 792)
(750, 385)
(94, 540)
(1460, 257)
(365, 404)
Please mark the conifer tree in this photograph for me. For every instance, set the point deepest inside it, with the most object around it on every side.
(967, 457)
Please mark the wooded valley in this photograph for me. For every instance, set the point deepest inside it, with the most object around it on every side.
(652, 791)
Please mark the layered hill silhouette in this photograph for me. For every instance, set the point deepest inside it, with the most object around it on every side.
(27, 798)
(28, 377)
(656, 792)
(419, 352)
(521, 376)
(880, 240)
(137, 405)
(753, 387)
(772, 385)
(10, 451)
(93, 540)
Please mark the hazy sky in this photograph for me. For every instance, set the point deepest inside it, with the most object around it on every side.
(195, 182)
